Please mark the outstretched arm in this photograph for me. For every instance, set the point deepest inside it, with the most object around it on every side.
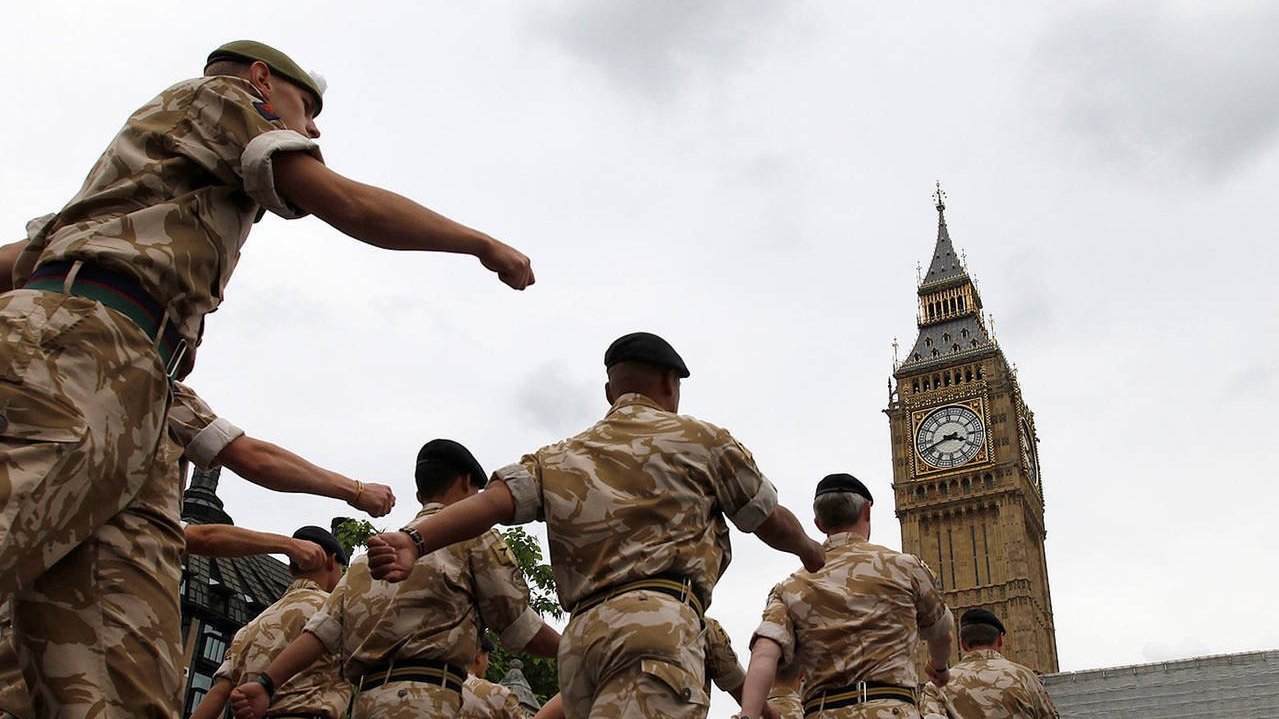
(250, 701)
(782, 531)
(225, 540)
(393, 554)
(384, 219)
(278, 469)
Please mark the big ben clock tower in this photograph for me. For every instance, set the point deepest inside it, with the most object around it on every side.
(966, 477)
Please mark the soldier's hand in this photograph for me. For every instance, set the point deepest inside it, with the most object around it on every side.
(249, 701)
(391, 556)
(376, 499)
(511, 265)
(813, 557)
(939, 677)
(307, 555)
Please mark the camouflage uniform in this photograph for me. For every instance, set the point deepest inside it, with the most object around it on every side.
(319, 690)
(202, 436)
(482, 699)
(641, 494)
(986, 685)
(859, 618)
(787, 704)
(435, 614)
(89, 535)
(722, 665)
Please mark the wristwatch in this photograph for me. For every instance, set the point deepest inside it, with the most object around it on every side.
(418, 543)
(267, 683)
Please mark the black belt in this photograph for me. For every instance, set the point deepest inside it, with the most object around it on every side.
(856, 694)
(122, 294)
(425, 671)
(671, 585)
(296, 715)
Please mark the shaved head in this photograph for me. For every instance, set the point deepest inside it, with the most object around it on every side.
(656, 383)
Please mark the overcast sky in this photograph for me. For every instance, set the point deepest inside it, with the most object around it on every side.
(751, 180)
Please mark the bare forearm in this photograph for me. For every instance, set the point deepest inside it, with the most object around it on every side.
(783, 532)
(394, 222)
(300, 654)
(546, 643)
(760, 675)
(276, 468)
(939, 650)
(552, 709)
(467, 519)
(214, 702)
(225, 540)
(8, 258)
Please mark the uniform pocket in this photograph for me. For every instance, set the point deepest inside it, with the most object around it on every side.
(681, 682)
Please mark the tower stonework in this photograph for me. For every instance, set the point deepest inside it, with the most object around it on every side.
(966, 479)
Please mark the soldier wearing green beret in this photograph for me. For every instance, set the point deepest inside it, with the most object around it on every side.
(107, 303)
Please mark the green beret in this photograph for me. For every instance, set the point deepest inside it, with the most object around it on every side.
(280, 64)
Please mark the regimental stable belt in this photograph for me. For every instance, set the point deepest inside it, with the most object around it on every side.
(856, 694)
(671, 585)
(119, 292)
(425, 671)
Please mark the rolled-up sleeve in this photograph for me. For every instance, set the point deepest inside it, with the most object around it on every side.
(259, 173)
(326, 623)
(776, 625)
(525, 486)
(200, 432)
(745, 496)
(501, 593)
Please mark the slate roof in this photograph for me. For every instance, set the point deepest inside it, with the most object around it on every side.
(1238, 686)
(967, 332)
(945, 267)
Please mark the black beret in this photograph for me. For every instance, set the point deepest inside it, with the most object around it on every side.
(647, 348)
(453, 454)
(325, 539)
(842, 483)
(486, 644)
(982, 616)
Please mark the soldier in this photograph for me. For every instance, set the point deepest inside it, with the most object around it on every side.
(722, 665)
(784, 699)
(405, 647)
(635, 512)
(985, 684)
(320, 691)
(853, 626)
(482, 699)
(113, 293)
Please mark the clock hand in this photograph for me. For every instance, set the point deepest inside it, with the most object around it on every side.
(947, 438)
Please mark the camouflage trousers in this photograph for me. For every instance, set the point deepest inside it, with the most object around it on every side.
(89, 533)
(407, 700)
(787, 705)
(637, 655)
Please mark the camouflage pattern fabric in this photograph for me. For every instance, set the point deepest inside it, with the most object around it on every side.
(482, 699)
(787, 704)
(200, 432)
(722, 665)
(984, 684)
(171, 200)
(642, 493)
(14, 700)
(436, 613)
(89, 533)
(859, 618)
(319, 689)
(407, 700)
(639, 654)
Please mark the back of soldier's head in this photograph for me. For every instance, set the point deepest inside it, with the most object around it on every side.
(439, 464)
(839, 502)
(980, 629)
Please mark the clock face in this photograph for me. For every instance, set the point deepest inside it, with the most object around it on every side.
(1028, 453)
(949, 437)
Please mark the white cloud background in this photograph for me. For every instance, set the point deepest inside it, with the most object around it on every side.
(752, 181)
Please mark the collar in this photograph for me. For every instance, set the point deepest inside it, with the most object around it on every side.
(428, 509)
(983, 653)
(632, 399)
(304, 583)
(843, 539)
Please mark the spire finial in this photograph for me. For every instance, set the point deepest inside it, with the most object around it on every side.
(939, 197)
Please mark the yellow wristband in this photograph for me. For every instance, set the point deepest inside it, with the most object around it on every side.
(359, 490)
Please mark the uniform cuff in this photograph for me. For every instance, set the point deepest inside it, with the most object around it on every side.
(946, 623)
(327, 629)
(779, 635)
(523, 490)
(209, 442)
(224, 672)
(754, 512)
(731, 680)
(259, 174)
(521, 631)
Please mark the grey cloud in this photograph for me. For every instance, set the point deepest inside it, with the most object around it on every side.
(1167, 85)
(651, 46)
(559, 403)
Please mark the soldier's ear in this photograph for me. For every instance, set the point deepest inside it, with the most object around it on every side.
(608, 393)
(260, 76)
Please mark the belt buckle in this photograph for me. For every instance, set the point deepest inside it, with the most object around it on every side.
(861, 690)
(175, 362)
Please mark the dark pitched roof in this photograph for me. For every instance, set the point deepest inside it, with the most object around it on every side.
(1234, 686)
(946, 342)
(946, 267)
